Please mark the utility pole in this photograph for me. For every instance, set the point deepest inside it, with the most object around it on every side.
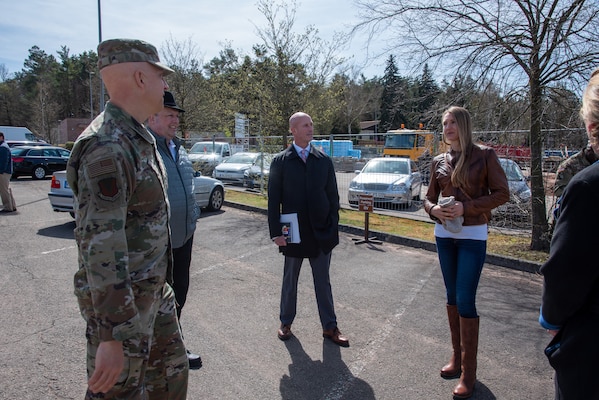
(100, 41)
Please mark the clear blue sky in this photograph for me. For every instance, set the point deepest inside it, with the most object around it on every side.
(50, 24)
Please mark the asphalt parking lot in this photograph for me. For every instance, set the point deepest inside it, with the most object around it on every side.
(389, 300)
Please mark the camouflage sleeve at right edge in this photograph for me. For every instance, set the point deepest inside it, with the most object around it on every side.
(566, 171)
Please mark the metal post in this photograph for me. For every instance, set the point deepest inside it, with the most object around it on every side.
(331, 144)
(100, 41)
(91, 97)
(262, 165)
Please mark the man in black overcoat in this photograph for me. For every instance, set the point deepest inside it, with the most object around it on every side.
(302, 185)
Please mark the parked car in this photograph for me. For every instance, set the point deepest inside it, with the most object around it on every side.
(520, 204)
(38, 161)
(60, 194)
(233, 168)
(393, 181)
(21, 136)
(13, 143)
(209, 193)
(208, 154)
(258, 173)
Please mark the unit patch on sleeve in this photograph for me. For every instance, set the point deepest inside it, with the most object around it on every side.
(108, 188)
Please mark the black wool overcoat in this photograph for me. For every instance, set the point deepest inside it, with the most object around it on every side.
(310, 190)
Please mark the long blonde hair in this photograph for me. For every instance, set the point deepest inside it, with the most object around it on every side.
(459, 177)
(590, 105)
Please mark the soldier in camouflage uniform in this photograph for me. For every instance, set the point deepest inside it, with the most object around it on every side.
(134, 346)
(571, 166)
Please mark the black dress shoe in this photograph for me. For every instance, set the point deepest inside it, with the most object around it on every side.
(284, 332)
(195, 361)
(336, 336)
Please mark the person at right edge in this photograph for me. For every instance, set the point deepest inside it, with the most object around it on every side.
(472, 174)
(570, 167)
(302, 181)
(570, 302)
(573, 165)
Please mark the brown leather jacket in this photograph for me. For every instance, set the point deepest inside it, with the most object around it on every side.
(488, 184)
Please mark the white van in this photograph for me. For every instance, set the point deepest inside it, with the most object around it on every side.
(20, 136)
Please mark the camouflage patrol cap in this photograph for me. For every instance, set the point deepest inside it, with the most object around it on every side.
(116, 51)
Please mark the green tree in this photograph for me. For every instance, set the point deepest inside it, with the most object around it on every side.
(390, 84)
(228, 84)
(73, 78)
(393, 85)
(13, 105)
(427, 92)
(39, 81)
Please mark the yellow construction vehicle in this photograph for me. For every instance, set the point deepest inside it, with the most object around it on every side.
(410, 143)
(419, 145)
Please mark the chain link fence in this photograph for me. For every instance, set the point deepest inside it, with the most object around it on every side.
(350, 152)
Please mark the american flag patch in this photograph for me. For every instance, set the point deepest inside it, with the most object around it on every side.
(102, 167)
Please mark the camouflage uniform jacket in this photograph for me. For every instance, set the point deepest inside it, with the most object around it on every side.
(122, 231)
(570, 167)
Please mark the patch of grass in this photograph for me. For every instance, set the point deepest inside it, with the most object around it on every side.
(247, 198)
(499, 243)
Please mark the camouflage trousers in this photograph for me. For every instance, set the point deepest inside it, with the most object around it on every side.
(158, 374)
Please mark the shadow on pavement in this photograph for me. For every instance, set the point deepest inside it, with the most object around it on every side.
(64, 231)
(315, 379)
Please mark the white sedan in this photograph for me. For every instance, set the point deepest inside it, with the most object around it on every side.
(233, 169)
(60, 194)
(209, 193)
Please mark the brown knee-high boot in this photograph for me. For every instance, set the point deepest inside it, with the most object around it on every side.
(453, 369)
(469, 337)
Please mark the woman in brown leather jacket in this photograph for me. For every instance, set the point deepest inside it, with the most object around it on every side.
(467, 182)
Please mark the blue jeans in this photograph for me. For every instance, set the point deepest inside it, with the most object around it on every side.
(461, 262)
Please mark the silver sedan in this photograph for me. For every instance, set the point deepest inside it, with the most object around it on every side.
(392, 181)
(209, 193)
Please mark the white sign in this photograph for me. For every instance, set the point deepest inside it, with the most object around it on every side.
(241, 124)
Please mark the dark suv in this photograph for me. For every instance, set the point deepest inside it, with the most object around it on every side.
(38, 161)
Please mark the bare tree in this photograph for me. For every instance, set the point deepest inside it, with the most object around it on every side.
(186, 83)
(3, 73)
(517, 44)
(44, 118)
(319, 57)
(299, 58)
(360, 98)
